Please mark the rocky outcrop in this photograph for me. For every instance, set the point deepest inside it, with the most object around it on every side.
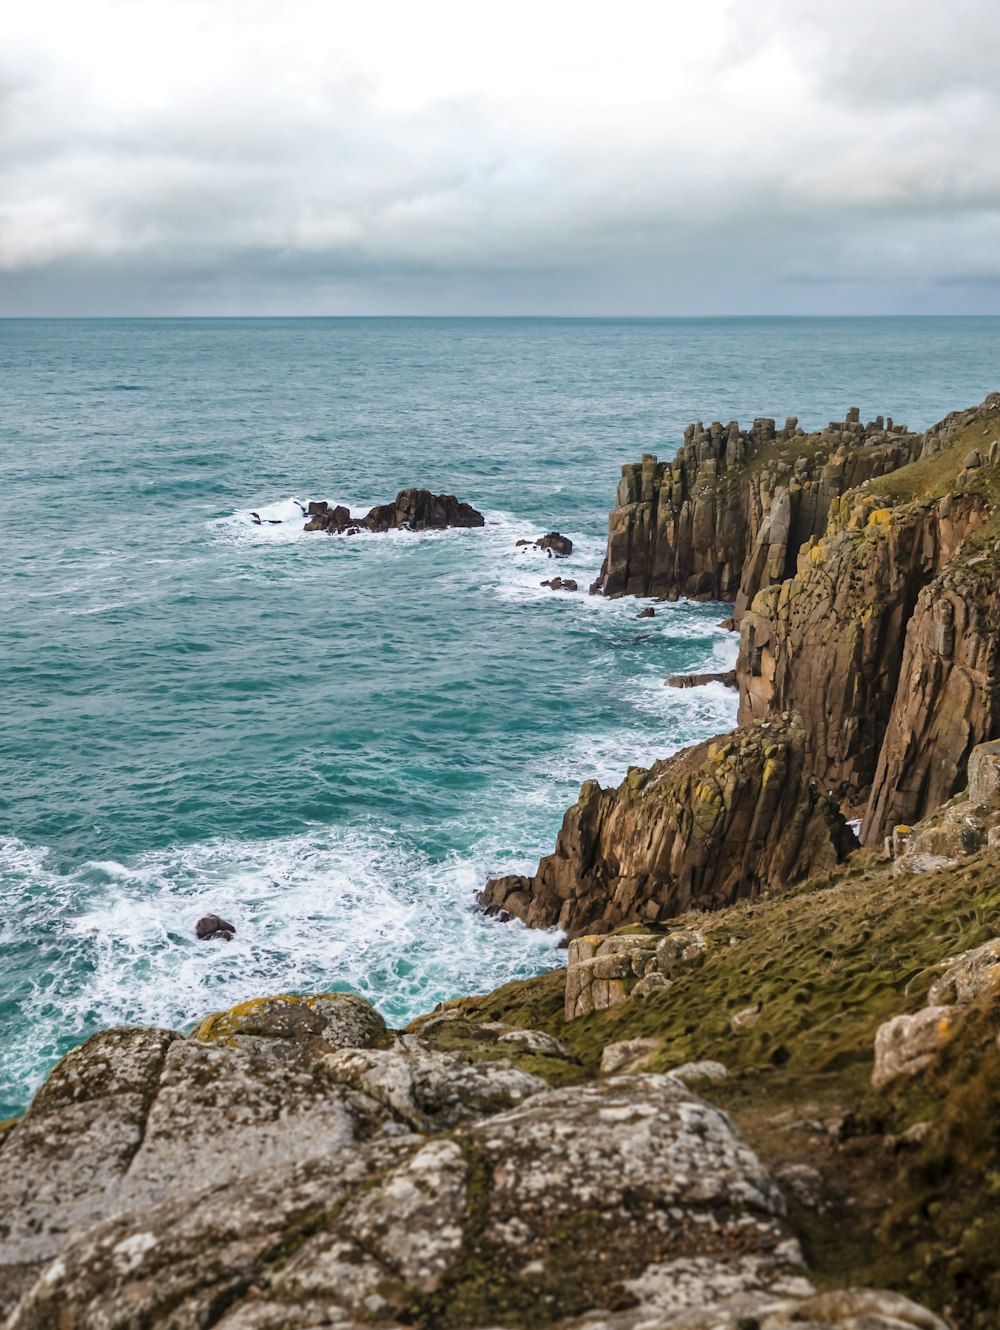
(602, 971)
(388, 1182)
(887, 638)
(729, 514)
(726, 677)
(829, 642)
(728, 819)
(412, 510)
(948, 695)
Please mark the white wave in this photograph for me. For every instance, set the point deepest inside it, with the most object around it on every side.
(333, 909)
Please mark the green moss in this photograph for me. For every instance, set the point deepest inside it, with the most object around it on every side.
(829, 962)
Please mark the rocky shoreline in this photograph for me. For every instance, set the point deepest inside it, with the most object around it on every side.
(763, 1092)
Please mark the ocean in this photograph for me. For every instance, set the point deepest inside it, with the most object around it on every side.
(334, 742)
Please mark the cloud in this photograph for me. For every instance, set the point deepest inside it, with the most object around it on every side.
(229, 156)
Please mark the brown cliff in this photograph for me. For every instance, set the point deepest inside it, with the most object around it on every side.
(887, 639)
(728, 819)
(728, 515)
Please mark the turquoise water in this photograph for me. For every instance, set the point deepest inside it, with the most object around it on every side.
(334, 742)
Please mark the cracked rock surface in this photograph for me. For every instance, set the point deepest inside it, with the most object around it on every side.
(262, 1174)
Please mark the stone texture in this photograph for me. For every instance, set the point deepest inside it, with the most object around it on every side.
(429, 1089)
(726, 677)
(908, 1043)
(411, 510)
(219, 1204)
(296, 1030)
(716, 823)
(969, 976)
(728, 515)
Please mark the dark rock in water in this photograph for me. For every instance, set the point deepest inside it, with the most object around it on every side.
(561, 584)
(256, 519)
(211, 927)
(647, 613)
(726, 677)
(729, 625)
(412, 510)
(555, 544)
(519, 543)
(420, 510)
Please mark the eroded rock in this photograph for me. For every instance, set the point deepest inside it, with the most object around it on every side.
(724, 820)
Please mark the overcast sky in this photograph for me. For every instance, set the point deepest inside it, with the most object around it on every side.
(530, 156)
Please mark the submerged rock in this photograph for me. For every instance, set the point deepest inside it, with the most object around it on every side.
(726, 677)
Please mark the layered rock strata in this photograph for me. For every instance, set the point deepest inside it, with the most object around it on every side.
(294, 1164)
(728, 819)
(411, 510)
(887, 638)
(729, 513)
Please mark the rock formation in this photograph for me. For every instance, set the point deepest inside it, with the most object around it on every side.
(412, 510)
(887, 639)
(728, 819)
(294, 1164)
(728, 515)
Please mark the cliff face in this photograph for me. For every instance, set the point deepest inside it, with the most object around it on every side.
(886, 640)
(728, 515)
(728, 819)
(829, 641)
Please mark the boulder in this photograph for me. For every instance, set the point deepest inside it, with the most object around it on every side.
(555, 545)
(158, 1181)
(211, 928)
(906, 1044)
(561, 584)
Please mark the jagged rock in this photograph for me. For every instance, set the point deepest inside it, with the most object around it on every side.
(694, 1309)
(419, 510)
(211, 928)
(984, 772)
(906, 1044)
(726, 677)
(647, 613)
(555, 545)
(561, 584)
(724, 820)
(968, 976)
(411, 510)
(886, 641)
(728, 515)
(945, 701)
(299, 1224)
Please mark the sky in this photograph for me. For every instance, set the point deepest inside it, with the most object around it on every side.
(704, 157)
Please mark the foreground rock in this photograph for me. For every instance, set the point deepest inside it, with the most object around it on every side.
(412, 510)
(256, 1176)
(729, 514)
(728, 819)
